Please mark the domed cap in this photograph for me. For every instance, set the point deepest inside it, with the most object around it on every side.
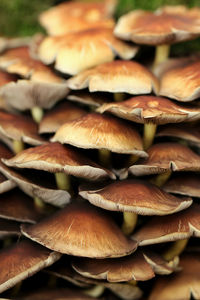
(144, 109)
(167, 25)
(59, 115)
(116, 77)
(167, 157)
(61, 232)
(182, 285)
(82, 15)
(175, 227)
(54, 157)
(95, 131)
(136, 196)
(75, 52)
(183, 83)
(23, 260)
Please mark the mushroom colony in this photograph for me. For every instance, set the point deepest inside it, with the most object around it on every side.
(100, 156)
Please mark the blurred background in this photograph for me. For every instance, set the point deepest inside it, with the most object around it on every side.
(19, 17)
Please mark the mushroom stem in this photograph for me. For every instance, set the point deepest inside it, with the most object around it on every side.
(118, 97)
(95, 291)
(175, 250)
(18, 146)
(16, 289)
(105, 157)
(133, 158)
(133, 282)
(39, 204)
(37, 114)
(161, 54)
(62, 181)
(161, 179)
(149, 134)
(130, 220)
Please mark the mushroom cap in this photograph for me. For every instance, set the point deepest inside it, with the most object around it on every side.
(61, 232)
(59, 115)
(96, 131)
(116, 76)
(144, 109)
(182, 285)
(18, 127)
(87, 98)
(188, 185)
(75, 52)
(23, 260)
(175, 227)
(6, 184)
(37, 186)
(55, 157)
(9, 43)
(167, 157)
(183, 83)
(136, 196)
(139, 266)
(82, 15)
(167, 25)
(9, 228)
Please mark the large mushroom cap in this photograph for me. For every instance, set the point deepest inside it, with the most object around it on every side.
(75, 52)
(95, 131)
(144, 109)
(167, 25)
(82, 15)
(183, 83)
(23, 260)
(116, 76)
(136, 196)
(99, 236)
(55, 157)
(167, 157)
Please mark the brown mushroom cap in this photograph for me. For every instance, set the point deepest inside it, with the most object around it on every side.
(87, 98)
(116, 77)
(37, 186)
(82, 15)
(55, 157)
(96, 131)
(75, 52)
(23, 260)
(167, 25)
(59, 115)
(20, 128)
(183, 285)
(133, 267)
(61, 232)
(144, 109)
(9, 228)
(136, 196)
(188, 185)
(167, 157)
(179, 226)
(183, 83)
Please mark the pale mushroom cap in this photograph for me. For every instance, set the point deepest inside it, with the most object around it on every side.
(167, 25)
(55, 157)
(95, 131)
(144, 109)
(183, 83)
(64, 112)
(116, 77)
(183, 285)
(167, 157)
(179, 226)
(75, 52)
(6, 184)
(23, 260)
(61, 232)
(135, 196)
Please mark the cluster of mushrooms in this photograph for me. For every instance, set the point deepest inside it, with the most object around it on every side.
(99, 185)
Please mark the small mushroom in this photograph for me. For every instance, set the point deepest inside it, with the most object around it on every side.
(61, 232)
(75, 52)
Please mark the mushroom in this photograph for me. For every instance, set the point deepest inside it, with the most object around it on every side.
(151, 111)
(22, 260)
(5, 184)
(5, 78)
(75, 52)
(61, 232)
(9, 43)
(134, 197)
(86, 98)
(41, 88)
(167, 25)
